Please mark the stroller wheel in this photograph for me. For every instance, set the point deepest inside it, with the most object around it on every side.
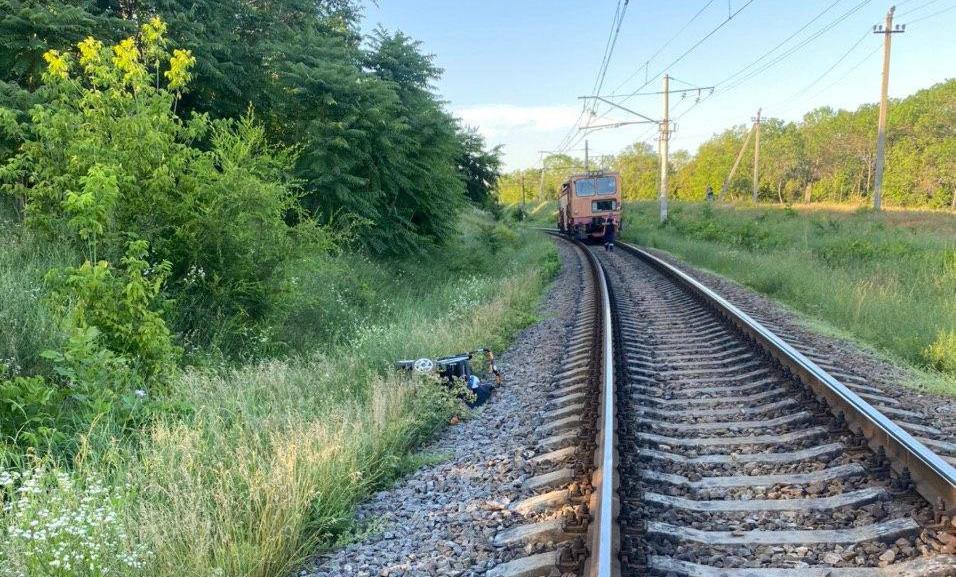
(424, 366)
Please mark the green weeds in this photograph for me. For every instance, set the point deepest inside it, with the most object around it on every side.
(888, 285)
(247, 470)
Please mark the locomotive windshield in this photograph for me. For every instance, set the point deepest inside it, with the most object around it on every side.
(592, 186)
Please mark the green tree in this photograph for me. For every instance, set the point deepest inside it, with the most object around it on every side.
(363, 117)
(639, 168)
(106, 159)
(479, 167)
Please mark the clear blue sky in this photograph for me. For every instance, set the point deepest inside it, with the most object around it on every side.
(514, 68)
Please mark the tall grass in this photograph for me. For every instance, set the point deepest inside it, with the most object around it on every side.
(26, 326)
(255, 467)
(886, 280)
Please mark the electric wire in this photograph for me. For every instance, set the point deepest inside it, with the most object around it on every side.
(663, 46)
(788, 52)
(933, 15)
(609, 49)
(582, 132)
(616, 22)
(792, 50)
(609, 52)
(916, 8)
(691, 49)
(843, 76)
(683, 55)
(778, 46)
(839, 61)
(747, 72)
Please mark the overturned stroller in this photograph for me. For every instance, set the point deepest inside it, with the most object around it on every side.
(458, 367)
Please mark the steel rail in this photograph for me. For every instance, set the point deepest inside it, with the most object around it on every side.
(934, 478)
(603, 537)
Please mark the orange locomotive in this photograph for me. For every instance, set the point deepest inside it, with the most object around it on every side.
(586, 203)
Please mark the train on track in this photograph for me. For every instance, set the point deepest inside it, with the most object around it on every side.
(588, 202)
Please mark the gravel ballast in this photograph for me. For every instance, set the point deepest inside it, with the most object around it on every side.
(846, 360)
(441, 519)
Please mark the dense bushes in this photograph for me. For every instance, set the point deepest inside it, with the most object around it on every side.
(155, 209)
(373, 141)
(106, 159)
(267, 460)
(243, 194)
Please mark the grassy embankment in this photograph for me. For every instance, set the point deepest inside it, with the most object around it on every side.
(886, 280)
(260, 465)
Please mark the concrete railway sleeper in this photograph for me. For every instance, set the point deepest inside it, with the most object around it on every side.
(559, 502)
(703, 445)
(733, 466)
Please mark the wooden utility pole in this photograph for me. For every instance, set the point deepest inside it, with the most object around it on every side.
(665, 137)
(756, 156)
(887, 33)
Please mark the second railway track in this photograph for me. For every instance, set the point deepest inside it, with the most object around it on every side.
(722, 452)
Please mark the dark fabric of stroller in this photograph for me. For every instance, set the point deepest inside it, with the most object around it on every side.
(458, 367)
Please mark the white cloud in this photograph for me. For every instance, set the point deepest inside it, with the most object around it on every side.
(497, 120)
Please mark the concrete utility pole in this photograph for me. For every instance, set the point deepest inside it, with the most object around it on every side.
(733, 170)
(756, 156)
(522, 194)
(665, 137)
(541, 185)
(887, 33)
(587, 160)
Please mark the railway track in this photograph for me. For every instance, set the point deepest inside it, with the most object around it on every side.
(719, 450)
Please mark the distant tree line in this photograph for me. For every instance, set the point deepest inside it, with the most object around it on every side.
(828, 156)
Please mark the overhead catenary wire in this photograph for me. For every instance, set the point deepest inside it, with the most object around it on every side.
(684, 54)
(778, 46)
(747, 72)
(775, 56)
(836, 81)
(922, 6)
(793, 49)
(691, 49)
(839, 61)
(607, 45)
(663, 46)
(731, 15)
(609, 49)
(933, 15)
(567, 141)
(849, 71)
(684, 82)
(737, 80)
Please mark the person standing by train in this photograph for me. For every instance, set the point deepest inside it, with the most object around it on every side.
(609, 235)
